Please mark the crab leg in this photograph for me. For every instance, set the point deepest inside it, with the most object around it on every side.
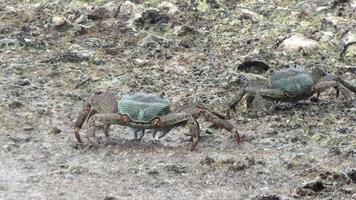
(235, 100)
(167, 122)
(323, 85)
(347, 84)
(135, 131)
(218, 121)
(84, 115)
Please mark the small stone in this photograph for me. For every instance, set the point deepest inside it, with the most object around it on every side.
(16, 104)
(300, 192)
(297, 43)
(315, 186)
(55, 130)
(78, 170)
(110, 198)
(20, 137)
(172, 9)
(268, 131)
(270, 197)
(153, 173)
(6, 147)
(127, 8)
(98, 12)
(151, 16)
(238, 166)
(28, 127)
(247, 15)
(207, 161)
(23, 82)
(58, 21)
(350, 175)
(334, 23)
(175, 169)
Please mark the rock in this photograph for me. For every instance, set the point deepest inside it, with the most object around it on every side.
(300, 192)
(247, 15)
(350, 175)
(4, 28)
(7, 42)
(55, 130)
(349, 46)
(16, 104)
(207, 161)
(78, 170)
(315, 186)
(150, 17)
(297, 43)
(20, 137)
(110, 198)
(175, 169)
(28, 127)
(171, 8)
(270, 197)
(98, 12)
(153, 173)
(238, 166)
(268, 131)
(23, 82)
(127, 8)
(186, 30)
(6, 147)
(58, 21)
(80, 22)
(253, 64)
(334, 23)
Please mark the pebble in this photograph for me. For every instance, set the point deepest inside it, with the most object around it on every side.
(297, 43)
(315, 186)
(127, 8)
(23, 82)
(58, 21)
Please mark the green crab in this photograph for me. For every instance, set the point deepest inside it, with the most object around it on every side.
(103, 102)
(288, 85)
(142, 111)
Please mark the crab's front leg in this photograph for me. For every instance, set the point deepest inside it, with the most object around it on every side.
(167, 122)
(217, 121)
(324, 85)
(84, 115)
(104, 119)
(235, 100)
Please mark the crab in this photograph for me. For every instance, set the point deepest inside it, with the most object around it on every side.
(288, 85)
(142, 111)
(105, 102)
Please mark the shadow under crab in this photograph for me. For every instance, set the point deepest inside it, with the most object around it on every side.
(288, 85)
(142, 111)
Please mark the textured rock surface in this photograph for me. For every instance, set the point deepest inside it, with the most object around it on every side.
(54, 54)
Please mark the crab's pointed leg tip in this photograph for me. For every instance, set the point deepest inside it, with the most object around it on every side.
(76, 133)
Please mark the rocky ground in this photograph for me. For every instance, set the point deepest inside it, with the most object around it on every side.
(55, 54)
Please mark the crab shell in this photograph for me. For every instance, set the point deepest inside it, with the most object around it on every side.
(142, 108)
(293, 81)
